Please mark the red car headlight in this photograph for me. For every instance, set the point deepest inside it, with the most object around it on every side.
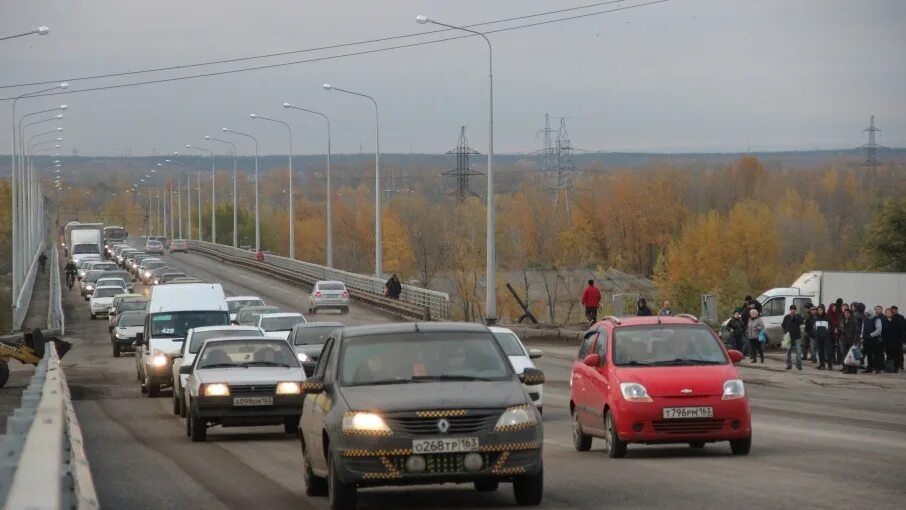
(634, 392)
(734, 389)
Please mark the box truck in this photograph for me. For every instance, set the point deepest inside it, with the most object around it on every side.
(84, 241)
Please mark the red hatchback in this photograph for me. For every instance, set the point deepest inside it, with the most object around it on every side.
(655, 380)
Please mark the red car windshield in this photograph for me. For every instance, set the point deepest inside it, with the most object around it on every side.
(661, 345)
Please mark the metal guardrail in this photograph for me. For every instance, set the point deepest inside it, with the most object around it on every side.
(412, 300)
(55, 318)
(43, 465)
(20, 305)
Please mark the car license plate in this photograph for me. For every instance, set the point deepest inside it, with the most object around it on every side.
(253, 401)
(688, 412)
(446, 445)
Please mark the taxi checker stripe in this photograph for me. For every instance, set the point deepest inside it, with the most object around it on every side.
(443, 413)
(380, 476)
(525, 445)
(389, 465)
(377, 453)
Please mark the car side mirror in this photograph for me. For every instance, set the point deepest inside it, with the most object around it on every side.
(535, 353)
(313, 386)
(735, 356)
(185, 370)
(139, 339)
(592, 360)
(531, 377)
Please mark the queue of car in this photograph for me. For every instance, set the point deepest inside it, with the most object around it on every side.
(364, 400)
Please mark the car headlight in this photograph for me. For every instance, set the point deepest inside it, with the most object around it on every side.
(159, 360)
(302, 356)
(155, 282)
(147, 274)
(89, 287)
(121, 336)
(517, 418)
(733, 389)
(634, 392)
(289, 388)
(366, 424)
(81, 274)
(215, 390)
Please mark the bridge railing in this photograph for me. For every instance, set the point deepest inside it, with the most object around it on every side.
(412, 300)
(43, 465)
(22, 298)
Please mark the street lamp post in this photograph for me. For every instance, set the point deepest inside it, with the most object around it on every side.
(235, 218)
(292, 217)
(329, 207)
(491, 284)
(378, 254)
(257, 223)
(42, 30)
(213, 215)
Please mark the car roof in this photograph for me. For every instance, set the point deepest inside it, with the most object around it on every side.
(188, 297)
(242, 338)
(306, 325)
(102, 287)
(243, 298)
(330, 281)
(651, 320)
(498, 329)
(280, 314)
(202, 329)
(257, 308)
(414, 327)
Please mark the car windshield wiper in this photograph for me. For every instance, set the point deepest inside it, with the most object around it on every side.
(449, 378)
(265, 364)
(687, 361)
(224, 365)
(635, 363)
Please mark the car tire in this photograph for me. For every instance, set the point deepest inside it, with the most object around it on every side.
(143, 387)
(315, 486)
(581, 441)
(182, 406)
(116, 350)
(541, 410)
(487, 485)
(176, 406)
(529, 490)
(291, 424)
(616, 448)
(340, 496)
(198, 430)
(741, 446)
(153, 390)
(93, 316)
(696, 444)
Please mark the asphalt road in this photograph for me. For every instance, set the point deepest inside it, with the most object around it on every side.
(821, 440)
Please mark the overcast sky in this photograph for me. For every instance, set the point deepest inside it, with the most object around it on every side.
(685, 75)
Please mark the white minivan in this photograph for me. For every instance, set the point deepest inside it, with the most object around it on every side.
(172, 311)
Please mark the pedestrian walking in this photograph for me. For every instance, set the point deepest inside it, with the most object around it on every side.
(643, 309)
(591, 300)
(890, 336)
(42, 260)
(872, 328)
(792, 330)
(665, 309)
(393, 288)
(737, 331)
(809, 333)
(754, 332)
(899, 323)
(823, 335)
(849, 333)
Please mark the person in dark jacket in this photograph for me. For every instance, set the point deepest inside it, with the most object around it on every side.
(42, 260)
(792, 325)
(899, 323)
(809, 333)
(872, 329)
(737, 330)
(393, 287)
(849, 332)
(643, 311)
(834, 314)
(891, 338)
(823, 335)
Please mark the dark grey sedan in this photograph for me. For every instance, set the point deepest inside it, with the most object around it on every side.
(419, 403)
(308, 339)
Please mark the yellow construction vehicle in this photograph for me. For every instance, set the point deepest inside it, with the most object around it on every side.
(28, 350)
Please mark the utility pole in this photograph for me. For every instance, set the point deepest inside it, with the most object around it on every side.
(872, 163)
(463, 169)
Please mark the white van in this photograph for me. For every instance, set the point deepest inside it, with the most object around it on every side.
(172, 311)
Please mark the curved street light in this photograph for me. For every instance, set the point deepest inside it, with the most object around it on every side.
(257, 223)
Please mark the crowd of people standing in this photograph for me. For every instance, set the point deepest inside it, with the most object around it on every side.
(847, 335)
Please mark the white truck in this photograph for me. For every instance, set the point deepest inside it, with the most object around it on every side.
(824, 287)
(85, 241)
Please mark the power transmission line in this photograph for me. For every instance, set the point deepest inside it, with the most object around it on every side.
(308, 50)
(872, 163)
(463, 169)
(343, 55)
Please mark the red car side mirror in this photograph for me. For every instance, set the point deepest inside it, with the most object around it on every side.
(735, 356)
(593, 360)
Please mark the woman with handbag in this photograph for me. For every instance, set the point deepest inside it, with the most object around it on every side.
(755, 333)
(849, 334)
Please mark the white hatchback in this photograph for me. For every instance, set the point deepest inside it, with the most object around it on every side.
(102, 298)
(520, 358)
(328, 294)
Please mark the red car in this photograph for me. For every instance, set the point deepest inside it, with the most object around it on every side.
(655, 380)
